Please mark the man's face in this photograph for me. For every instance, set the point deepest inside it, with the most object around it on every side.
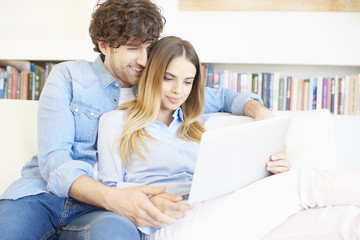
(127, 62)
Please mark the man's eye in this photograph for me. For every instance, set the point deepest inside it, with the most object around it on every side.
(132, 48)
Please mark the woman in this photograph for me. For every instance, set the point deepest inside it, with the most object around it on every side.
(154, 141)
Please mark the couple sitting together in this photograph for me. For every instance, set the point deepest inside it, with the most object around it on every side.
(102, 173)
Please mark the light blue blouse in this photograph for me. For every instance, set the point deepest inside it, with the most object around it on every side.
(170, 162)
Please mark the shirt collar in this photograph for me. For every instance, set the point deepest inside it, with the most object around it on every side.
(106, 78)
(178, 114)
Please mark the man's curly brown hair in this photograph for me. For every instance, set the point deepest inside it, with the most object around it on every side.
(118, 21)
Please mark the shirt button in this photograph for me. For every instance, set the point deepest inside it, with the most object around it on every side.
(116, 84)
(92, 114)
(76, 110)
(115, 100)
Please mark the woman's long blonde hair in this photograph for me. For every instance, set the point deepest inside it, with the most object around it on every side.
(141, 112)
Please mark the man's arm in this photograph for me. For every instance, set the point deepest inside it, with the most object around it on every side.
(257, 110)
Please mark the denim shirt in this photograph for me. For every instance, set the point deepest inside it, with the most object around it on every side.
(74, 97)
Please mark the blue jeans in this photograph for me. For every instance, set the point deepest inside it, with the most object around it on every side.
(46, 216)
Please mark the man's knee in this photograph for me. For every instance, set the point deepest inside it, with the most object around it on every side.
(101, 225)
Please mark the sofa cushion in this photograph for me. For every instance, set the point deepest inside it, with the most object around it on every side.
(18, 137)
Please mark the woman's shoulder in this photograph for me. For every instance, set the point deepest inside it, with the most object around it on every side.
(115, 116)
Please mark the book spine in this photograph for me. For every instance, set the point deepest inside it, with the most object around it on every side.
(332, 94)
(234, 81)
(275, 105)
(210, 76)
(325, 93)
(2, 85)
(341, 96)
(306, 94)
(288, 93)
(319, 91)
(254, 85)
(347, 93)
(265, 89)
(30, 86)
(281, 94)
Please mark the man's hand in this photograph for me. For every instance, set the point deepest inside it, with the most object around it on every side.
(131, 202)
(168, 204)
(278, 162)
(134, 204)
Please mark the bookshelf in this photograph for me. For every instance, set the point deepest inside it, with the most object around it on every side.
(301, 43)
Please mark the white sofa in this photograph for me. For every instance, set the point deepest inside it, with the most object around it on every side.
(315, 138)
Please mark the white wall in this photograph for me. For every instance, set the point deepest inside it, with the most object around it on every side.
(321, 38)
(59, 31)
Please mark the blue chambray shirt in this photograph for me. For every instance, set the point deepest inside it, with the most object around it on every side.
(74, 97)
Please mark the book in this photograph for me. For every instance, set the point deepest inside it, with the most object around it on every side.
(281, 94)
(259, 92)
(312, 93)
(265, 89)
(294, 93)
(216, 79)
(347, 93)
(30, 80)
(341, 96)
(325, 93)
(210, 76)
(359, 94)
(24, 85)
(255, 81)
(319, 91)
(226, 79)
(276, 89)
(354, 94)
(203, 73)
(234, 81)
(271, 91)
(336, 95)
(14, 84)
(2, 84)
(9, 81)
(288, 93)
(300, 95)
(37, 85)
(306, 95)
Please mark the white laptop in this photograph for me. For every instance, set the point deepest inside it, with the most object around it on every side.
(233, 157)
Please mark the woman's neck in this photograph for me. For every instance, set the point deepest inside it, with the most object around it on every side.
(166, 117)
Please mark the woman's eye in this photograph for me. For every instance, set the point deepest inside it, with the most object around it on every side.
(166, 78)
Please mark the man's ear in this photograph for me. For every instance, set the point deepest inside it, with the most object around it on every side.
(103, 46)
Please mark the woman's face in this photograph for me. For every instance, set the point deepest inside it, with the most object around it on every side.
(177, 84)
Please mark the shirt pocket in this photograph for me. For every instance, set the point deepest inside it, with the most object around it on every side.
(86, 121)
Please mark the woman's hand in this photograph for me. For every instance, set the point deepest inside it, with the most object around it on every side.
(169, 205)
(279, 162)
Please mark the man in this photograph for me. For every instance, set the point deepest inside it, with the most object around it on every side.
(57, 196)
